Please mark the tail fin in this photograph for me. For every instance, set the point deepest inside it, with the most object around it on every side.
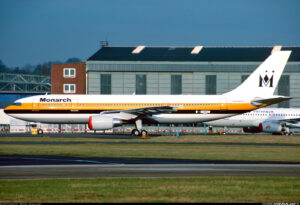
(263, 81)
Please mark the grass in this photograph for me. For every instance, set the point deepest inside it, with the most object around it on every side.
(135, 190)
(169, 147)
(195, 189)
(177, 151)
(274, 139)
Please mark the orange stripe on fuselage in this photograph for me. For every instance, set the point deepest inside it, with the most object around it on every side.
(126, 106)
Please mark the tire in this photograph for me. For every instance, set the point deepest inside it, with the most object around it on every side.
(40, 131)
(135, 132)
(144, 132)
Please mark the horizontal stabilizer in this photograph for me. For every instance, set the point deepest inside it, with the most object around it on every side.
(269, 101)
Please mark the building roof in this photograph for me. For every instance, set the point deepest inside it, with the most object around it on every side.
(222, 54)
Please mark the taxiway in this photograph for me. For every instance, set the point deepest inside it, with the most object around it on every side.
(52, 167)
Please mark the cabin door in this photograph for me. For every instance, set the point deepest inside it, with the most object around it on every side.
(35, 104)
(74, 104)
(223, 104)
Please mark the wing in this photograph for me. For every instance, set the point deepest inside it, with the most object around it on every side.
(150, 110)
(139, 112)
(292, 120)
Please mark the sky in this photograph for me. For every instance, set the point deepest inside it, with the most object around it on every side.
(38, 31)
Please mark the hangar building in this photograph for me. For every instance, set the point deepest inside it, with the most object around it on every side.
(184, 70)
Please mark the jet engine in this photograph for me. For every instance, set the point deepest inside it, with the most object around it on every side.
(270, 127)
(294, 125)
(99, 122)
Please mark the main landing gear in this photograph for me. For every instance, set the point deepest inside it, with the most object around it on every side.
(138, 131)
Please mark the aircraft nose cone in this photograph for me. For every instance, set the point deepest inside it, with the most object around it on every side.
(5, 110)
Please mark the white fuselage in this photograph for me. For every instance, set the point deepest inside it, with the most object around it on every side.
(254, 118)
(78, 108)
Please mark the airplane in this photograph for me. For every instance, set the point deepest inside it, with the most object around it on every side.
(269, 120)
(102, 112)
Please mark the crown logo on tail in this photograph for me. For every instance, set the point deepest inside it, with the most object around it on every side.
(266, 81)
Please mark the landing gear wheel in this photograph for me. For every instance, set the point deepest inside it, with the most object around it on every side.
(144, 132)
(135, 132)
(40, 131)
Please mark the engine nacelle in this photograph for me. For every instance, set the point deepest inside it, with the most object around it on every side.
(270, 127)
(251, 129)
(99, 122)
(294, 125)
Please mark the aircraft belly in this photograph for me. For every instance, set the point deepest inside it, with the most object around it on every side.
(53, 118)
(243, 123)
(187, 118)
(84, 118)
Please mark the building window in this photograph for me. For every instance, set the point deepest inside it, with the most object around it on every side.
(210, 84)
(69, 72)
(176, 84)
(140, 84)
(105, 83)
(69, 88)
(284, 89)
(244, 77)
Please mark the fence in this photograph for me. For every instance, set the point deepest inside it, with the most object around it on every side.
(154, 130)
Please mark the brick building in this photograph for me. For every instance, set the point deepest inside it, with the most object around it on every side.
(69, 78)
